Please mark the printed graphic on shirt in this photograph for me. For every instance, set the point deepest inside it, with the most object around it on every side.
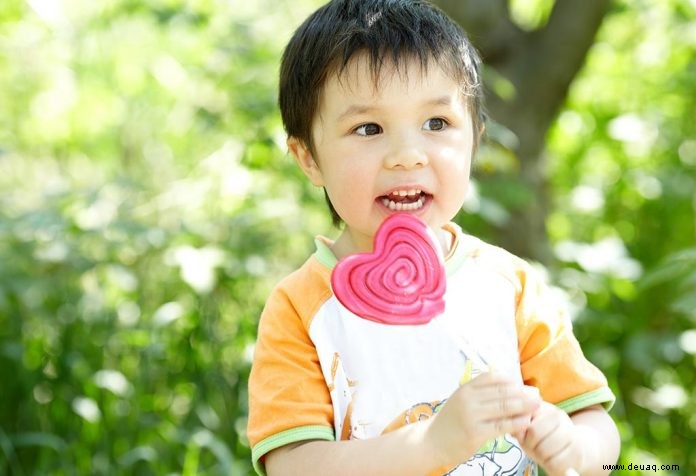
(342, 389)
(418, 412)
(499, 457)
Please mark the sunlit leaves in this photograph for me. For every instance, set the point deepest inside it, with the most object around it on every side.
(147, 206)
(619, 178)
(136, 243)
(530, 14)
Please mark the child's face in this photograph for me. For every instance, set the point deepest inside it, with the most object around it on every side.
(404, 146)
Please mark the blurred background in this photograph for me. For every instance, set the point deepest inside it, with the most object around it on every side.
(147, 207)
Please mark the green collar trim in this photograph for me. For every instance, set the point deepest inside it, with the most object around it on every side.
(323, 254)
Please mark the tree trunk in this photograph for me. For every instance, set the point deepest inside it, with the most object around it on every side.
(540, 64)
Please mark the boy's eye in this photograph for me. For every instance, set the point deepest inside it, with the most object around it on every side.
(435, 124)
(368, 129)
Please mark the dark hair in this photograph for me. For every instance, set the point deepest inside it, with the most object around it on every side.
(387, 31)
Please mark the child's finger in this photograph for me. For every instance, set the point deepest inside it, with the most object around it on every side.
(492, 378)
(553, 448)
(500, 426)
(508, 406)
(494, 388)
(503, 386)
(531, 392)
(560, 463)
(520, 435)
(544, 422)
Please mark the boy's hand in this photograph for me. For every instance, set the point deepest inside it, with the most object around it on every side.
(551, 441)
(480, 410)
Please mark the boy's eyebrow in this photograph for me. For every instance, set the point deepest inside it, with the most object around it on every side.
(356, 109)
(441, 101)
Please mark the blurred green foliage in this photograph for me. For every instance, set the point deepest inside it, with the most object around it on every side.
(622, 162)
(147, 206)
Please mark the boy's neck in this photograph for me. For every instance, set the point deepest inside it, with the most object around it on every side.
(347, 244)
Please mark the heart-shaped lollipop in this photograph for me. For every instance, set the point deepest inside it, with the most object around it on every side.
(401, 282)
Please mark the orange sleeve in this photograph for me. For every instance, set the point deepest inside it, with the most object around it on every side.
(287, 390)
(550, 356)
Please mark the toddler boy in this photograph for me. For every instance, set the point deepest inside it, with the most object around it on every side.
(382, 103)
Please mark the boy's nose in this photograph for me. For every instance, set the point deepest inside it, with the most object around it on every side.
(405, 156)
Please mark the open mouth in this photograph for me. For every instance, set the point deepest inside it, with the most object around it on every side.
(404, 200)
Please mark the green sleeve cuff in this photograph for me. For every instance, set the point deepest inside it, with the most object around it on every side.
(313, 432)
(602, 396)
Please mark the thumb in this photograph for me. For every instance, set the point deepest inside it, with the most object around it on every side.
(520, 435)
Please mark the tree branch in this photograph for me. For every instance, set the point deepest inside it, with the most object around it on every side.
(487, 23)
(541, 65)
(545, 64)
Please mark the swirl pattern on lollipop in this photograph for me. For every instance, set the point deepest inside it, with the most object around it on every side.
(401, 282)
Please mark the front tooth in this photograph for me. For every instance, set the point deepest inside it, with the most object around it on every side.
(411, 192)
(403, 193)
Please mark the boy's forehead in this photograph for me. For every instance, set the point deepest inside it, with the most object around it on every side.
(360, 78)
(360, 75)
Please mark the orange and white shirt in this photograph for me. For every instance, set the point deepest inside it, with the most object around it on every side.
(321, 372)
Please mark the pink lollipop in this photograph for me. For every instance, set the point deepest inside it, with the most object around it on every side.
(401, 282)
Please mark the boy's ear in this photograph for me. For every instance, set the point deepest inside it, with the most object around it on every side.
(303, 157)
